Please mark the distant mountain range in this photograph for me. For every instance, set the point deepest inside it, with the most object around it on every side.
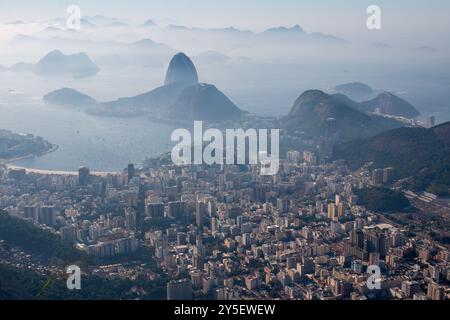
(181, 97)
(55, 63)
(418, 155)
(290, 36)
(273, 43)
(311, 112)
(295, 31)
(144, 52)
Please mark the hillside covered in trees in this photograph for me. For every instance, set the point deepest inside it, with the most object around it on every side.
(382, 200)
(419, 155)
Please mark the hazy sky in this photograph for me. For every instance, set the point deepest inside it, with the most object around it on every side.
(400, 18)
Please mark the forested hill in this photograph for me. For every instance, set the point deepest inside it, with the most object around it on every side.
(422, 155)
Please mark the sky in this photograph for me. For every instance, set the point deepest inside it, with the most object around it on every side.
(346, 18)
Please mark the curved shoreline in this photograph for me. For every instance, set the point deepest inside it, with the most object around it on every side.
(59, 172)
(8, 164)
(28, 156)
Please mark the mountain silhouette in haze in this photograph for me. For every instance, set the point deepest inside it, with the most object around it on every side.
(69, 97)
(285, 30)
(181, 71)
(56, 63)
(389, 103)
(204, 102)
(425, 50)
(278, 34)
(149, 23)
(355, 90)
(181, 97)
(313, 108)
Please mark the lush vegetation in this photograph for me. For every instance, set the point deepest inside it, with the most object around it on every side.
(382, 200)
(18, 283)
(420, 155)
(23, 234)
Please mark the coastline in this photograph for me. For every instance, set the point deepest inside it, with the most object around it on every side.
(58, 172)
(28, 156)
(9, 165)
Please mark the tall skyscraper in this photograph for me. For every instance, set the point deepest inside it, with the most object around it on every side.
(282, 204)
(155, 210)
(31, 212)
(130, 171)
(332, 212)
(435, 291)
(341, 209)
(388, 175)
(409, 288)
(337, 200)
(130, 218)
(377, 177)
(293, 156)
(357, 238)
(431, 121)
(200, 213)
(214, 224)
(331, 133)
(83, 176)
(376, 242)
(212, 208)
(69, 233)
(176, 209)
(179, 290)
(47, 216)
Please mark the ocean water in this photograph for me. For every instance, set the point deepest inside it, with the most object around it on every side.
(109, 144)
(101, 143)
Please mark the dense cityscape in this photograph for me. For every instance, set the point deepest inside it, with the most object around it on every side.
(227, 232)
(208, 159)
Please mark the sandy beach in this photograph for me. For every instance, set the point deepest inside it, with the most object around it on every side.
(9, 165)
(56, 172)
